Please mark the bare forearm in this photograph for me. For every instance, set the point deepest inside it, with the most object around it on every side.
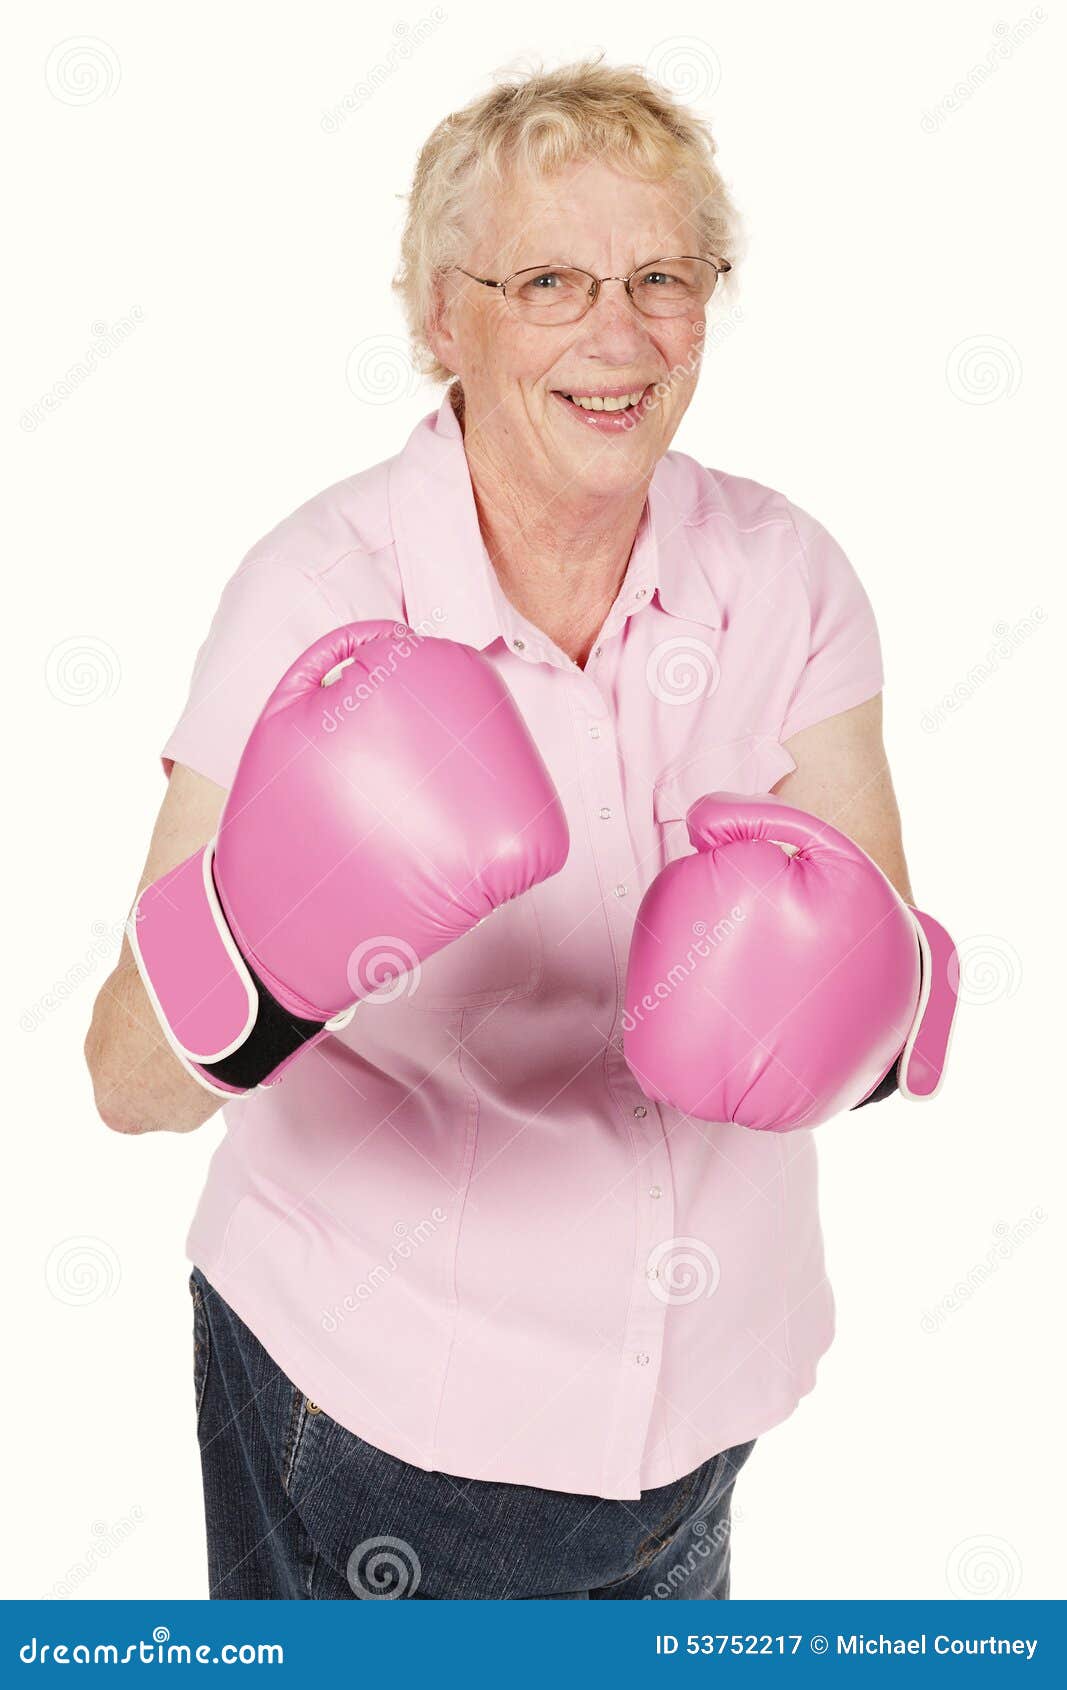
(138, 1083)
(843, 776)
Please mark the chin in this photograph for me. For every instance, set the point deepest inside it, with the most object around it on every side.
(619, 476)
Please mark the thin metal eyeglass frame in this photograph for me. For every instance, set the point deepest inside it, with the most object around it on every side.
(721, 267)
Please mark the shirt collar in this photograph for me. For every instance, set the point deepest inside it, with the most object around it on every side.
(689, 548)
(449, 585)
(443, 563)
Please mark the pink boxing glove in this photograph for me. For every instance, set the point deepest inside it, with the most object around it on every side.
(776, 990)
(389, 797)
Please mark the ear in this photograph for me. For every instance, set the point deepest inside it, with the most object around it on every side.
(438, 328)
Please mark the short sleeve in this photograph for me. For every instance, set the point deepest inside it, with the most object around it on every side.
(844, 661)
(270, 611)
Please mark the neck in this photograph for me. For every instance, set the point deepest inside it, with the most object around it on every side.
(560, 557)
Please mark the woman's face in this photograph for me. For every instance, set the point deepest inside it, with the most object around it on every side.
(520, 379)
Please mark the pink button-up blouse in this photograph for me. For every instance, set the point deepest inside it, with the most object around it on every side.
(457, 1224)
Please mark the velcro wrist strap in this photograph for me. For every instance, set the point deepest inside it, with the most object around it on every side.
(222, 1022)
(922, 1061)
(919, 1069)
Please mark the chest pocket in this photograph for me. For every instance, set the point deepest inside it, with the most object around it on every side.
(751, 764)
(499, 959)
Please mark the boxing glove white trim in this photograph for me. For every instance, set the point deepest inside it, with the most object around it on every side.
(165, 1026)
(186, 1056)
(945, 989)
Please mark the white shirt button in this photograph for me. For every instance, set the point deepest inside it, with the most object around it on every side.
(642, 592)
(620, 890)
(520, 645)
(640, 1112)
(594, 732)
(653, 1273)
(642, 1358)
(655, 1191)
(605, 813)
(597, 650)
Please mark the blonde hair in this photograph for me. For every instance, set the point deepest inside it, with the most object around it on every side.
(541, 121)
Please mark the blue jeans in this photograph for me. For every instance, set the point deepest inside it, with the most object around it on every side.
(299, 1508)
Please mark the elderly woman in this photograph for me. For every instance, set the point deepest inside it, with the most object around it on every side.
(473, 1316)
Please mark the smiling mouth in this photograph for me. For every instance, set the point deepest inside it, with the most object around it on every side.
(604, 401)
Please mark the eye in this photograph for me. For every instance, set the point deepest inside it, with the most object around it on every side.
(545, 289)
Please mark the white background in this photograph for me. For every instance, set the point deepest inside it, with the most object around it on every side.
(893, 366)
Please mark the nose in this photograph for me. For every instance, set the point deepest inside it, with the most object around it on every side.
(613, 324)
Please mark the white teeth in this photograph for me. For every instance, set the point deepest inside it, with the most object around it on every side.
(597, 402)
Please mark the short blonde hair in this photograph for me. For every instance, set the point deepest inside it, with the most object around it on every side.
(542, 121)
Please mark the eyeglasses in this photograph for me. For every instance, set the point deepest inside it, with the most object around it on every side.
(561, 293)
